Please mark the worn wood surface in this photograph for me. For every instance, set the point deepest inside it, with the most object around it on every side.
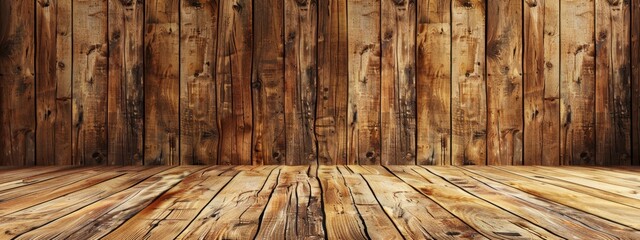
(635, 80)
(334, 202)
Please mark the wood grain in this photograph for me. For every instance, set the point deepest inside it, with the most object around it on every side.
(53, 89)
(199, 133)
(161, 82)
(268, 83)
(504, 83)
(90, 82)
(541, 82)
(398, 79)
(433, 87)
(635, 81)
(17, 84)
(363, 135)
(126, 83)
(468, 83)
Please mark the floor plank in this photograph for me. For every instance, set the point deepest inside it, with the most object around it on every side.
(18, 174)
(597, 175)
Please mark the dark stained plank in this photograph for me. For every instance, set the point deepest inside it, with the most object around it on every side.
(433, 87)
(468, 93)
(615, 212)
(267, 83)
(613, 81)
(635, 81)
(17, 86)
(126, 89)
(300, 72)
(27, 219)
(363, 135)
(541, 82)
(332, 88)
(199, 133)
(341, 215)
(90, 82)
(557, 218)
(577, 100)
(161, 82)
(53, 91)
(171, 212)
(295, 207)
(504, 83)
(398, 78)
(490, 220)
(235, 211)
(233, 81)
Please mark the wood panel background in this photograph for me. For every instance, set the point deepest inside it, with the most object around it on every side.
(165, 82)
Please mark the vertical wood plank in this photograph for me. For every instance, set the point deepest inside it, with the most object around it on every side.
(398, 78)
(504, 82)
(613, 83)
(53, 88)
(468, 83)
(300, 80)
(17, 70)
(577, 82)
(269, 138)
(635, 68)
(363, 136)
(198, 128)
(233, 81)
(161, 83)
(433, 93)
(126, 99)
(332, 89)
(541, 82)
(90, 82)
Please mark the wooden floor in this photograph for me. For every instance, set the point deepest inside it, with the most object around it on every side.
(335, 202)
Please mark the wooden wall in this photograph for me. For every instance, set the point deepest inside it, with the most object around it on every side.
(499, 82)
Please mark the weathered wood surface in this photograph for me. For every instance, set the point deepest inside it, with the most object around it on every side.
(635, 80)
(336, 202)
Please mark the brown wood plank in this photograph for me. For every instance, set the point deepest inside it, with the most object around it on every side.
(199, 133)
(504, 83)
(635, 81)
(90, 82)
(557, 218)
(170, 213)
(332, 89)
(489, 220)
(300, 72)
(19, 174)
(126, 69)
(26, 219)
(363, 135)
(468, 94)
(416, 216)
(341, 215)
(541, 82)
(606, 209)
(235, 211)
(53, 88)
(398, 78)
(17, 84)
(18, 183)
(161, 82)
(433, 87)
(233, 81)
(295, 207)
(594, 174)
(267, 81)
(112, 211)
(577, 100)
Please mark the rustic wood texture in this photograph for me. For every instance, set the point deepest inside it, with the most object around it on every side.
(635, 81)
(504, 83)
(468, 83)
(300, 69)
(363, 135)
(334, 202)
(53, 88)
(398, 82)
(541, 82)
(199, 133)
(433, 87)
(17, 84)
(126, 83)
